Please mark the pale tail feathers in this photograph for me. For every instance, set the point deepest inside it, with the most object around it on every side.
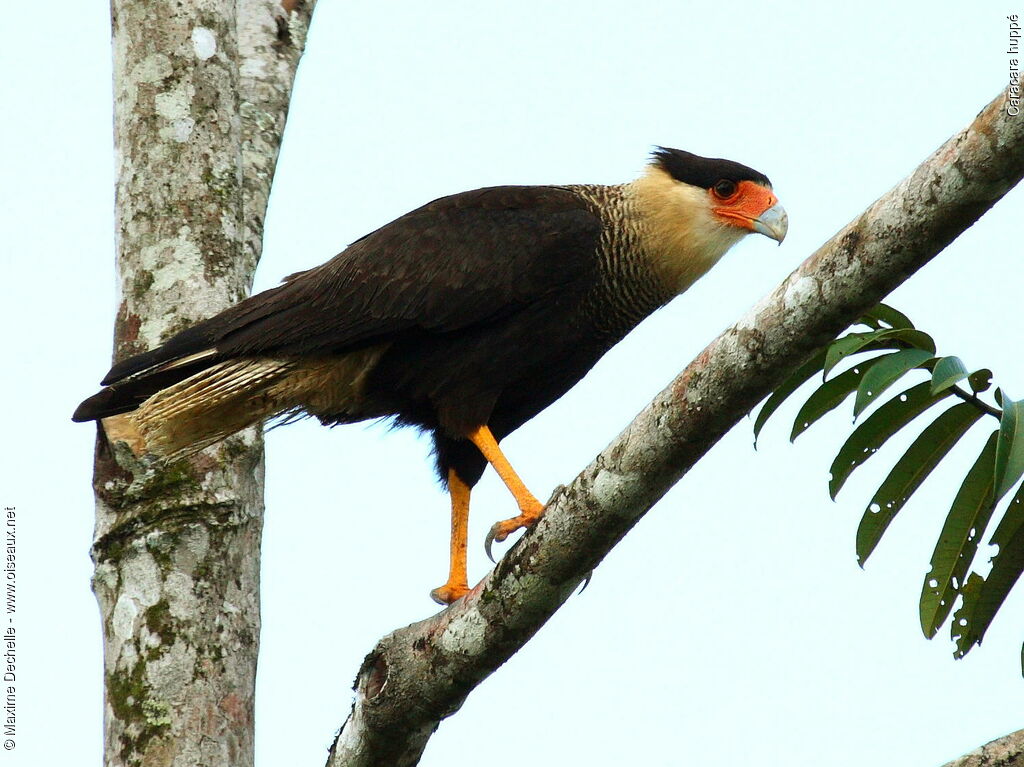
(229, 396)
(213, 404)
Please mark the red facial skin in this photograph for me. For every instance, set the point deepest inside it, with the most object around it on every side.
(746, 203)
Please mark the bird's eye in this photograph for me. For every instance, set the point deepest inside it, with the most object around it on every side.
(725, 189)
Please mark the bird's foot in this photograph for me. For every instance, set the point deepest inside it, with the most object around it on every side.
(502, 530)
(449, 592)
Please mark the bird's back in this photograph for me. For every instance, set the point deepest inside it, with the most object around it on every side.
(401, 320)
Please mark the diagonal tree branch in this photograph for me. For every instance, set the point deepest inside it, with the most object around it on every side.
(1007, 751)
(418, 675)
(201, 94)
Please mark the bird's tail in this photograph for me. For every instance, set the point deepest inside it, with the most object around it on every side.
(173, 409)
(211, 405)
(158, 415)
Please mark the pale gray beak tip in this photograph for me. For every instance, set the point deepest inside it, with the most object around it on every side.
(773, 223)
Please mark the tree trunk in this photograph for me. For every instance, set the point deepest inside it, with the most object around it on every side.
(420, 674)
(201, 94)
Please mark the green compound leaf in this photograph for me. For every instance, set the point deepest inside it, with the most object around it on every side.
(889, 316)
(958, 542)
(893, 338)
(982, 597)
(829, 396)
(910, 471)
(1009, 465)
(877, 428)
(995, 473)
(947, 371)
(885, 373)
(802, 374)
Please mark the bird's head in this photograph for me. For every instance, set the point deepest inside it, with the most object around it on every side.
(695, 208)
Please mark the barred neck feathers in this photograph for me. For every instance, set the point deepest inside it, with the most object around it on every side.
(681, 237)
(628, 290)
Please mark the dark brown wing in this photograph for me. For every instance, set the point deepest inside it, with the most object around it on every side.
(456, 262)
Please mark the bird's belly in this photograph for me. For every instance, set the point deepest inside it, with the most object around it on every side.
(540, 384)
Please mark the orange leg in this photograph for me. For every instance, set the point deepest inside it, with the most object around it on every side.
(529, 507)
(457, 585)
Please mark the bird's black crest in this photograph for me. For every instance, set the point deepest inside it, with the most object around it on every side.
(704, 172)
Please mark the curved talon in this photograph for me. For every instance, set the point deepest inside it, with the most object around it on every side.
(499, 533)
(501, 530)
(487, 544)
(586, 582)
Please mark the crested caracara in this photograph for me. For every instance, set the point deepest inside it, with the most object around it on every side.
(465, 317)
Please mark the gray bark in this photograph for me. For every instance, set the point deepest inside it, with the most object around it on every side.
(1007, 751)
(420, 674)
(201, 94)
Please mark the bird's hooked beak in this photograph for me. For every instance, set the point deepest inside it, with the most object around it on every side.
(773, 223)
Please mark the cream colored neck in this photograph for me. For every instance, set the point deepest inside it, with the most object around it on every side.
(682, 237)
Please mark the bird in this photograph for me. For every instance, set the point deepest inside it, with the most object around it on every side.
(465, 318)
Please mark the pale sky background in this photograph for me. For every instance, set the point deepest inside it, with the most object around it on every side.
(732, 626)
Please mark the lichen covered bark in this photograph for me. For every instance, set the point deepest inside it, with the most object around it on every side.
(201, 93)
(1007, 751)
(422, 673)
(177, 581)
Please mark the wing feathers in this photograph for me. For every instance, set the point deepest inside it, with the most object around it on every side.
(459, 262)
